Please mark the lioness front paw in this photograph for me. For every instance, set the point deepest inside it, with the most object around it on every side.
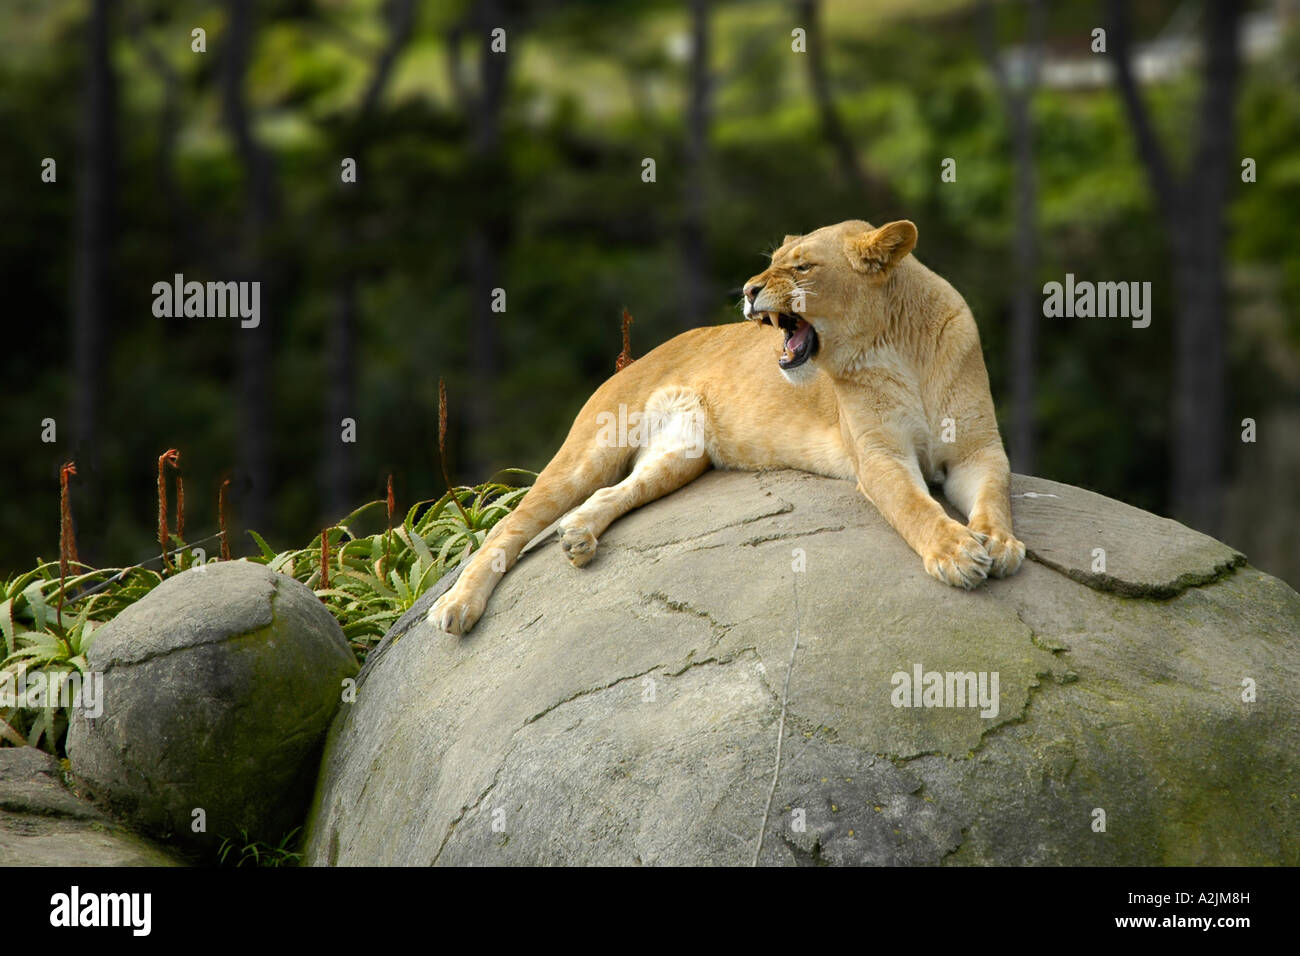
(959, 558)
(1007, 552)
(456, 613)
(578, 544)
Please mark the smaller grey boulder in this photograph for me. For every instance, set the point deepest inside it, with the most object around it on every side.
(218, 688)
(43, 823)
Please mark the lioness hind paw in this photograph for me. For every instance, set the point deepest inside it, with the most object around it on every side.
(578, 544)
(454, 614)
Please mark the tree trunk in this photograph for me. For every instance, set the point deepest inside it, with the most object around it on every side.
(488, 232)
(252, 345)
(1026, 311)
(855, 177)
(1193, 208)
(695, 291)
(338, 462)
(170, 197)
(97, 169)
(1017, 95)
(1201, 248)
(338, 466)
(1200, 381)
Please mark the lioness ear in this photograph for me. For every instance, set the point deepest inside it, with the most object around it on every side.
(789, 239)
(876, 251)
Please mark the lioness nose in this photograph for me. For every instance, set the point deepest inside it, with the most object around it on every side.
(752, 291)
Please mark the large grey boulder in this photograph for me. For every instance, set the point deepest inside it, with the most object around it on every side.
(43, 823)
(632, 712)
(219, 686)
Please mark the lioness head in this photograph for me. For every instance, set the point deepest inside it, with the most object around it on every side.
(821, 288)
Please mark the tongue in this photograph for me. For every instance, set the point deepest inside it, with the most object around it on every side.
(798, 337)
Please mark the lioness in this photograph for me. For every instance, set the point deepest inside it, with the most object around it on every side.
(858, 362)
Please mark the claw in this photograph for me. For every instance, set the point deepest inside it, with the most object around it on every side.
(962, 561)
(454, 614)
(578, 545)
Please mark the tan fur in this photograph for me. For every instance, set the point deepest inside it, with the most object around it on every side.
(898, 355)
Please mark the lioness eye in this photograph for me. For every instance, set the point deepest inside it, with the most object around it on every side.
(803, 266)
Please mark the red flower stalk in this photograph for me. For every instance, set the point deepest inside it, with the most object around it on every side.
(625, 357)
(442, 451)
(180, 507)
(170, 457)
(392, 506)
(221, 520)
(324, 560)
(67, 536)
(442, 423)
(67, 533)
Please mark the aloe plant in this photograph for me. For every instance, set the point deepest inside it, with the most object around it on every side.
(48, 616)
(40, 635)
(372, 580)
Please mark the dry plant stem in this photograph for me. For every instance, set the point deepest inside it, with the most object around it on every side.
(392, 506)
(324, 560)
(221, 520)
(442, 456)
(625, 357)
(180, 507)
(170, 457)
(67, 537)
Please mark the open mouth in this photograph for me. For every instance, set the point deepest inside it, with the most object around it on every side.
(800, 338)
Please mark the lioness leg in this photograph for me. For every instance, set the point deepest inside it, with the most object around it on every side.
(567, 480)
(674, 455)
(657, 473)
(892, 481)
(980, 487)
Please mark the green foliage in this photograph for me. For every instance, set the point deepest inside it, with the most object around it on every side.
(245, 852)
(372, 580)
(42, 638)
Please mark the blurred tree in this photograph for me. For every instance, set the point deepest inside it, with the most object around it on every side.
(874, 193)
(490, 221)
(338, 463)
(1193, 208)
(253, 346)
(169, 122)
(93, 244)
(696, 296)
(1016, 84)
